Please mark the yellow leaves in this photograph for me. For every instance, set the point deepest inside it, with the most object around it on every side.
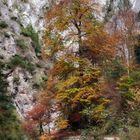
(67, 83)
(135, 103)
(82, 89)
(97, 111)
(85, 94)
(86, 78)
(67, 94)
(53, 42)
(62, 68)
(62, 123)
(45, 137)
(63, 97)
(61, 24)
(90, 76)
(79, 89)
(105, 101)
(76, 83)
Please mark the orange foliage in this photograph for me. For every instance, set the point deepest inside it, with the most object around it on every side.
(37, 112)
(77, 43)
(45, 137)
(74, 21)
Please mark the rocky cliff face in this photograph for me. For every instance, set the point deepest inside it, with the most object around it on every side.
(21, 22)
(136, 5)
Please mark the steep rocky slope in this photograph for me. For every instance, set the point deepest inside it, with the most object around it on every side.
(136, 5)
(20, 23)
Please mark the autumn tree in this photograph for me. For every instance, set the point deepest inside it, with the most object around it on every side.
(39, 117)
(77, 44)
(74, 24)
(123, 22)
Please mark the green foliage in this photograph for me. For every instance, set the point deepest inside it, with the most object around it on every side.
(127, 83)
(128, 88)
(21, 43)
(113, 125)
(30, 32)
(3, 24)
(135, 76)
(22, 62)
(85, 83)
(79, 91)
(114, 69)
(134, 117)
(125, 120)
(130, 133)
(9, 124)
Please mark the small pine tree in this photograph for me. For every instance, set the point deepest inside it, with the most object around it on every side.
(9, 124)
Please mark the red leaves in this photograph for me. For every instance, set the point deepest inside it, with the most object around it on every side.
(37, 112)
(30, 128)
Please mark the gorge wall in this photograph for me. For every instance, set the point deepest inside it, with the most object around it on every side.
(21, 24)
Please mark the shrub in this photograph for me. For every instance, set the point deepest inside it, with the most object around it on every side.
(21, 43)
(114, 69)
(128, 88)
(3, 24)
(30, 32)
(127, 84)
(130, 133)
(9, 123)
(22, 62)
(135, 76)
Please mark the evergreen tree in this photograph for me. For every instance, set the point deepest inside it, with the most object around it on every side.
(9, 124)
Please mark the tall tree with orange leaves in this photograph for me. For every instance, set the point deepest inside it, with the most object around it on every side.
(76, 24)
(78, 43)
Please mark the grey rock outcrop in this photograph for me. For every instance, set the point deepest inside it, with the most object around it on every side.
(24, 81)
